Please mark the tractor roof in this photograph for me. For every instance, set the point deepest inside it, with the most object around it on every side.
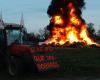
(12, 26)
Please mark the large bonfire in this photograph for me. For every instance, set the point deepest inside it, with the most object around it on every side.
(66, 23)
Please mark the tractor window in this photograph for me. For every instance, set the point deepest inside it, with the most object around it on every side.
(13, 36)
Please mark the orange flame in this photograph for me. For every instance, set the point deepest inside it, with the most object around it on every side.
(75, 31)
(58, 20)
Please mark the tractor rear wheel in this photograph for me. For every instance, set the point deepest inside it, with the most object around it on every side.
(15, 66)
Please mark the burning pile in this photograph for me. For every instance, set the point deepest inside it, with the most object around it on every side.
(67, 25)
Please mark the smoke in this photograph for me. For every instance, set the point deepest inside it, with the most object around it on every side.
(60, 7)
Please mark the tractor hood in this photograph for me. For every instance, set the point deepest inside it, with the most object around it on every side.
(18, 49)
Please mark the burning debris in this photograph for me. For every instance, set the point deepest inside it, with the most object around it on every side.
(67, 24)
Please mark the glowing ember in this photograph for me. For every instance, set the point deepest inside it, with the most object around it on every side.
(74, 31)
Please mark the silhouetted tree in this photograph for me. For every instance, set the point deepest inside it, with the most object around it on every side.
(98, 36)
(98, 33)
(31, 38)
(44, 34)
(91, 30)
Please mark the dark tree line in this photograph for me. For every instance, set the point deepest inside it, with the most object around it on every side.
(92, 32)
(35, 38)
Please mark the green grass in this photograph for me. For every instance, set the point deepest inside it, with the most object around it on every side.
(79, 60)
(74, 62)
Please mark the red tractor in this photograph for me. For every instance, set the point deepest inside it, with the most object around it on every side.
(19, 57)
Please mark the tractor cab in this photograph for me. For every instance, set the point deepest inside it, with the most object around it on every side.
(13, 35)
(10, 34)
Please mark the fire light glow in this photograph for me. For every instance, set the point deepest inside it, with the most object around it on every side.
(74, 31)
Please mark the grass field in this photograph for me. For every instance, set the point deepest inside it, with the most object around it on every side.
(74, 63)
(79, 60)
